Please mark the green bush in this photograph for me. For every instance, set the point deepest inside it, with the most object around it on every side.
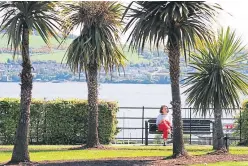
(158, 139)
(243, 120)
(57, 121)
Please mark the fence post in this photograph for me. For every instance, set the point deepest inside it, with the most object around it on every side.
(143, 112)
(190, 125)
(146, 133)
(240, 125)
(123, 140)
(226, 142)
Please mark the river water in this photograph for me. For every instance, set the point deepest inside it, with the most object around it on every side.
(127, 95)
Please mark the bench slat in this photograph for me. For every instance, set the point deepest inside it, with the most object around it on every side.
(196, 127)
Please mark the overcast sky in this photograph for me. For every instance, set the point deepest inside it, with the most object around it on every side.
(235, 15)
(239, 19)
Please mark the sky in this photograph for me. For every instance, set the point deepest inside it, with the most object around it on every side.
(235, 15)
(238, 20)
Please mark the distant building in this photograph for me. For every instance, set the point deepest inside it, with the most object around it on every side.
(160, 75)
(1, 74)
(5, 78)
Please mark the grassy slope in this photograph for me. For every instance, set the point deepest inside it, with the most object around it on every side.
(36, 42)
(42, 153)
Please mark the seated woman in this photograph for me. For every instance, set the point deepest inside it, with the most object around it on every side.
(164, 122)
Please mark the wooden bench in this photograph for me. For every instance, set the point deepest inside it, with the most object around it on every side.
(189, 127)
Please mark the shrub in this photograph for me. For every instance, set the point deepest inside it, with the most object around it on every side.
(243, 120)
(158, 139)
(57, 121)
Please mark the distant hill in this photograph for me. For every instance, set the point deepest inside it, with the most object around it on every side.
(40, 52)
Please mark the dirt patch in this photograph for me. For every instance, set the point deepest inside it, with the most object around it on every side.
(218, 152)
(149, 161)
(21, 164)
(101, 147)
(201, 159)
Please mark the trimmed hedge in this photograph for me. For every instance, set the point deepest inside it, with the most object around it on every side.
(57, 121)
(244, 124)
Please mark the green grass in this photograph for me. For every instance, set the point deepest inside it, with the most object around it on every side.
(58, 56)
(37, 42)
(51, 153)
(85, 154)
(230, 163)
(134, 57)
(64, 152)
(54, 56)
(4, 57)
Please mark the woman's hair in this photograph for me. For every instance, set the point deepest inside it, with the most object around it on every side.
(161, 109)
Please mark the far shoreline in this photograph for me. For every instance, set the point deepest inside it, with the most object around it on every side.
(61, 82)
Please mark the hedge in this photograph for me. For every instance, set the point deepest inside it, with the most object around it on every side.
(57, 121)
(243, 120)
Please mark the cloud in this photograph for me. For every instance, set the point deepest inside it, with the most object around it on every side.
(235, 15)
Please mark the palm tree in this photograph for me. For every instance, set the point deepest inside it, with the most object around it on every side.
(217, 81)
(18, 20)
(173, 25)
(95, 48)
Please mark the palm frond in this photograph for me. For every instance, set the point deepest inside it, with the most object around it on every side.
(99, 38)
(217, 76)
(37, 15)
(168, 23)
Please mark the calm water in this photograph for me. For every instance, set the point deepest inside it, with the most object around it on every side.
(127, 95)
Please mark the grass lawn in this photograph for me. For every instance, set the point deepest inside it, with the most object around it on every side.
(35, 41)
(232, 163)
(63, 152)
(54, 56)
(51, 153)
(58, 56)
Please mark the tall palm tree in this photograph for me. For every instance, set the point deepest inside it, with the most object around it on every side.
(172, 25)
(217, 81)
(95, 48)
(18, 20)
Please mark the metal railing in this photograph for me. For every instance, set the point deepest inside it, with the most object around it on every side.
(131, 123)
(141, 114)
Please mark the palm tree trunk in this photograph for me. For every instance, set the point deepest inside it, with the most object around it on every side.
(174, 61)
(93, 139)
(218, 130)
(20, 152)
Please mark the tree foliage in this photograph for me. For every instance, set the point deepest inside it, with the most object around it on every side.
(100, 24)
(217, 76)
(35, 15)
(162, 23)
